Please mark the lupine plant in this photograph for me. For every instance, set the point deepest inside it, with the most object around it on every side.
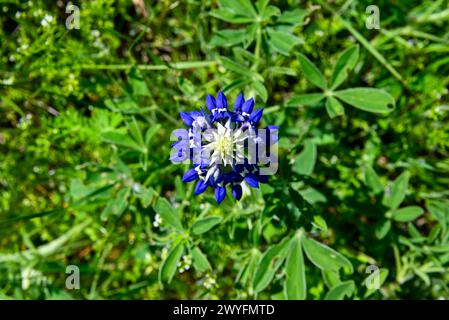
(124, 150)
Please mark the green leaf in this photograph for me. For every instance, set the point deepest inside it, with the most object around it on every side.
(394, 198)
(269, 12)
(311, 72)
(200, 260)
(269, 264)
(120, 139)
(309, 99)
(382, 229)
(334, 108)
(324, 257)
(372, 180)
(367, 99)
(169, 266)
(294, 17)
(439, 210)
(345, 63)
(234, 85)
(117, 206)
(281, 71)
(242, 7)
(168, 213)
(261, 5)
(138, 84)
(228, 38)
(282, 41)
(330, 277)
(147, 196)
(319, 222)
(295, 271)
(250, 35)
(186, 86)
(230, 16)
(312, 195)
(136, 133)
(123, 105)
(305, 161)
(205, 224)
(339, 291)
(151, 132)
(407, 213)
(238, 68)
(260, 90)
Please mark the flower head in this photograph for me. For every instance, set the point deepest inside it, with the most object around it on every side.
(224, 146)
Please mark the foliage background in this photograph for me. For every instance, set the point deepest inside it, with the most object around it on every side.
(86, 117)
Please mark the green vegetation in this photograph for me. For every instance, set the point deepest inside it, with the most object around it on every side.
(85, 177)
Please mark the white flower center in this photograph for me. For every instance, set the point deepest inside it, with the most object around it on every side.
(225, 145)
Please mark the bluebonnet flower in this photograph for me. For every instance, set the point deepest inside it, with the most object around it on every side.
(218, 142)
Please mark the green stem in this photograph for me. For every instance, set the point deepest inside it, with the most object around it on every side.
(143, 67)
(257, 49)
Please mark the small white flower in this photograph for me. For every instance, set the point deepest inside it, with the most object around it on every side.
(47, 20)
(157, 220)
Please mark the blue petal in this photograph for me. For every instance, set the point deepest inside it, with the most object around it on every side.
(251, 179)
(256, 115)
(186, 118)
(236, 117)
(200, 187)
(248, 106)
(239, 102)
(210, 102)
(263, 178)
(190, 175)
(221, 100)
(237, 191)
(220, 194)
